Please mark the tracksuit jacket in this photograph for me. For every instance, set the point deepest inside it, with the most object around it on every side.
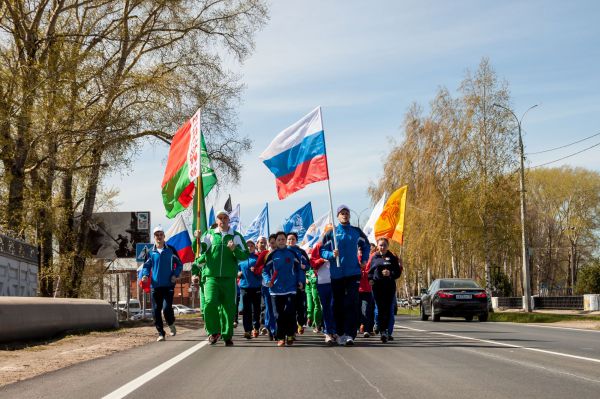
(249, 279)
(219, 260)
(378, 263)
(282, 268)
(349, 239)
(163, 265)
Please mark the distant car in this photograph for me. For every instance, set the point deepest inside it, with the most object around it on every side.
(454, 297)
(182, 309)
(148, 314)
(134, 307)
(415, 300)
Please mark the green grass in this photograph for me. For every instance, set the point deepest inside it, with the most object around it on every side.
(408, 312)
(515, 317)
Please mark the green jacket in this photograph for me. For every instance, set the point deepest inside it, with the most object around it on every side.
(217, 260)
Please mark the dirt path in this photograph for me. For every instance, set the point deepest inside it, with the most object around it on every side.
(26, 360)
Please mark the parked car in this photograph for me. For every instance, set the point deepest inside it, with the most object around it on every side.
(454, 297)
(134, 306)
(415, 300)
(182, 309)
(148, 314)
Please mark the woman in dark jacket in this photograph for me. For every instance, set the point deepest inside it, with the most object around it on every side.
(384, 269)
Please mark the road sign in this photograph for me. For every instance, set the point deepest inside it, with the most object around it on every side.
(142, 250)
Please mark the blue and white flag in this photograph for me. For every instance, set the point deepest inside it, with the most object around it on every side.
(259, 226)
(299, 221)
(314, 232)
(211, 216)
(234, 218)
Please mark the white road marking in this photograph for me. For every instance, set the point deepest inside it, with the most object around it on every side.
(144, 378)
(589, 359)
(560, 328)
(361, 375)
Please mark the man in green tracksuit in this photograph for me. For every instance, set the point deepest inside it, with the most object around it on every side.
(222, 249)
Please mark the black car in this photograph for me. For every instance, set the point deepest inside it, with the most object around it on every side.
(454, 297)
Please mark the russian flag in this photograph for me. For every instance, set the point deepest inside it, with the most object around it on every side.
(178, 237)
(297, 155)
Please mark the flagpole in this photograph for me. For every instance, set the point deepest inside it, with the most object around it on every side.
(335, 245)
(268, 223)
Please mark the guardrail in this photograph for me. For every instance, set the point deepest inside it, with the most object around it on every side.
(574, 302)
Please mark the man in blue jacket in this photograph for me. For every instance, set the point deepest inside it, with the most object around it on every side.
(345, 274)
(164, 266)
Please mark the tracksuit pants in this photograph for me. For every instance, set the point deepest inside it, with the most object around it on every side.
(313, 306)
(367, 311)
(346, 304)
(162, 301)
(269, 316)
(251, 308)
(326, 297)
(384, 296)
(220, 292)
(284, 309)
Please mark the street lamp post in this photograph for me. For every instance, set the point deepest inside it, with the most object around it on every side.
(526, 278)
(358, 215)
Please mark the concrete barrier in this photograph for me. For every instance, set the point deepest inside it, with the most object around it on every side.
(23, 318)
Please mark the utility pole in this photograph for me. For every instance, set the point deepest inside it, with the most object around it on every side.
(525, 255)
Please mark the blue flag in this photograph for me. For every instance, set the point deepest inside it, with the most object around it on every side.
(211, 217)
(299, 221)
(259, 226)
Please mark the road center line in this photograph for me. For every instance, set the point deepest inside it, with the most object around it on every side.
(589, 359)
(144, 378)
(381, 395)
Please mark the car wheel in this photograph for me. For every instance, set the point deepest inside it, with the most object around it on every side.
(424, 317)
(483, 317)
(434, 317)
(469, 318)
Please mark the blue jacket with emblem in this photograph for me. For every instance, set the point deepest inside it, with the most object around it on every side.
(349, 239)
(163, 265)
(282, 268)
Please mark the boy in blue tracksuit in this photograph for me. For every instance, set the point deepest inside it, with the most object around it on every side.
(282, 275)
(250, 289)
(292, 242)
(345, 277)
(165, 266)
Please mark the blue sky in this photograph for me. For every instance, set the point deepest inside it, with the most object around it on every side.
(365, 63)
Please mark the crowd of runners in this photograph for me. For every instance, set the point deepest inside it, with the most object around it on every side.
(341, 287)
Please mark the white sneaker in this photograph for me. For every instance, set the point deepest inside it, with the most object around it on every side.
(160, 338)
(349, 341)
(173, 330)
(341, 340)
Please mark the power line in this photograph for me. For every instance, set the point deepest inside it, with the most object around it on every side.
(565, 157)
(564, 146)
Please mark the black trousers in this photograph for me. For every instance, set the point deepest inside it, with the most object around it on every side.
(301, 307)
(346, 304)
(284, 308)
(384, 294)
(251, 307)
(162, 300)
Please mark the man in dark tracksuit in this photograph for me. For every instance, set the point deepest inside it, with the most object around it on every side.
(160, 263)
(345, 277)
(292, 243)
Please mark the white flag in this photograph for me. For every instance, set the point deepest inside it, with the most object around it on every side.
(314, 231)
(234, 218)
(369, 228)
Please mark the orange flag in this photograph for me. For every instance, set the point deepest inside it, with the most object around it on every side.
(391, 221)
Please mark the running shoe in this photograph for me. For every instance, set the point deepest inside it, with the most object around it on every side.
(264, 331)
(390, 338)
(173, 330)
(254, 333)
(290, 341)
(366, 335)
(281, 342)
(341, 340)
(384, 337)
(213, 338)
(300, 330)
(349, 341)
(160, 338)
(362, 328)
(247, 335)
(329, 340)
(229, 342)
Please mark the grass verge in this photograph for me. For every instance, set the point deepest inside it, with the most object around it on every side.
(514, 317)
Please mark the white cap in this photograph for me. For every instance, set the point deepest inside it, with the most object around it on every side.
(222, 212)
(157, 229)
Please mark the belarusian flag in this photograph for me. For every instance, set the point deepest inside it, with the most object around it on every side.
(183, 168)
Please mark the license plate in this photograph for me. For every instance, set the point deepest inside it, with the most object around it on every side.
(464, 296)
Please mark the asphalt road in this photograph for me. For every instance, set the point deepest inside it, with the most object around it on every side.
(449, 359)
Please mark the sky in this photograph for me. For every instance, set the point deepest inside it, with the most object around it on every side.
(366, 63)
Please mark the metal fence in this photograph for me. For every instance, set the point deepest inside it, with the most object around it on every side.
(544, 302)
